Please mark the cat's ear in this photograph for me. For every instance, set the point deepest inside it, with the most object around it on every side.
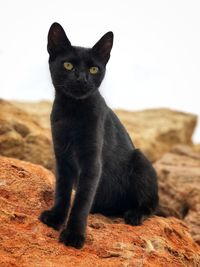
(57, 39)
(103, 47)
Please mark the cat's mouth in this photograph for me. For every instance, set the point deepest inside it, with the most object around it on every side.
(78, 92)
(81, 93)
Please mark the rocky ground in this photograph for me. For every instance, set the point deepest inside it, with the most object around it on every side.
(27, 188)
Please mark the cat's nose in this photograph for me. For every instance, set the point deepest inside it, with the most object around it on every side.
(82, 78)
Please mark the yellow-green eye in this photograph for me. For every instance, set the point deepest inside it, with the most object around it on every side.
(68, 66)
(94, 70)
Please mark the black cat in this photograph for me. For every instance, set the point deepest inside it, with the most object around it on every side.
(92, 148)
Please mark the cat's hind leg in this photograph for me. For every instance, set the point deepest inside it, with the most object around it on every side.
(135, 217)
(142, 189)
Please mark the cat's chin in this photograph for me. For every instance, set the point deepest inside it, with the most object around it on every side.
(79, 95)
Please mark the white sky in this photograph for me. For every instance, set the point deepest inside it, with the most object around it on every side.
(155, 60)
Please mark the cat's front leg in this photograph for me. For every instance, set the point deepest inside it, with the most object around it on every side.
(65, 175)
(74, 233)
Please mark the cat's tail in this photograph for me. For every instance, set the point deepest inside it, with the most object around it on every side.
(166, 211)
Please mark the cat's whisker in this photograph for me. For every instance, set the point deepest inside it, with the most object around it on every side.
(59, 85)
(66, 148)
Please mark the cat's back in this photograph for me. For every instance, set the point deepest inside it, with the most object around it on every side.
(115, 133)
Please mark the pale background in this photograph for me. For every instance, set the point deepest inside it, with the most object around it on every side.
(155, 61)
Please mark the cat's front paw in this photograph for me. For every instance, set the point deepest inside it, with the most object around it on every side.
(72, 239)
(52, 219)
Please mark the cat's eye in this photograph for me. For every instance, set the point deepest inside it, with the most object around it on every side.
(68, 66)
(94, 70)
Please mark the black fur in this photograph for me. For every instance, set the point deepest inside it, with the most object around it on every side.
(92, 148)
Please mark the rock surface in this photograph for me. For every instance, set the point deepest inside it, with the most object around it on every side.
(155, 131)
(27, 189)
(179, 185)
(40, 111)
(22, 136)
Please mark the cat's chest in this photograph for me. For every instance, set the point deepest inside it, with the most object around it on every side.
(74, 127)
(77, 123)
(73, 135)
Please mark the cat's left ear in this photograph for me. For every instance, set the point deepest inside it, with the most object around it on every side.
(57, 39)
(103, 47)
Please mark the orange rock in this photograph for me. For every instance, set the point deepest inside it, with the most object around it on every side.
(23, 136)
(179, 185)
(27, 189)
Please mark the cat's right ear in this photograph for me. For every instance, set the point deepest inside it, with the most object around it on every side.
(57, 39)
(103, 47)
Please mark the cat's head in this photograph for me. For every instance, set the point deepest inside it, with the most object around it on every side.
(76, 71)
